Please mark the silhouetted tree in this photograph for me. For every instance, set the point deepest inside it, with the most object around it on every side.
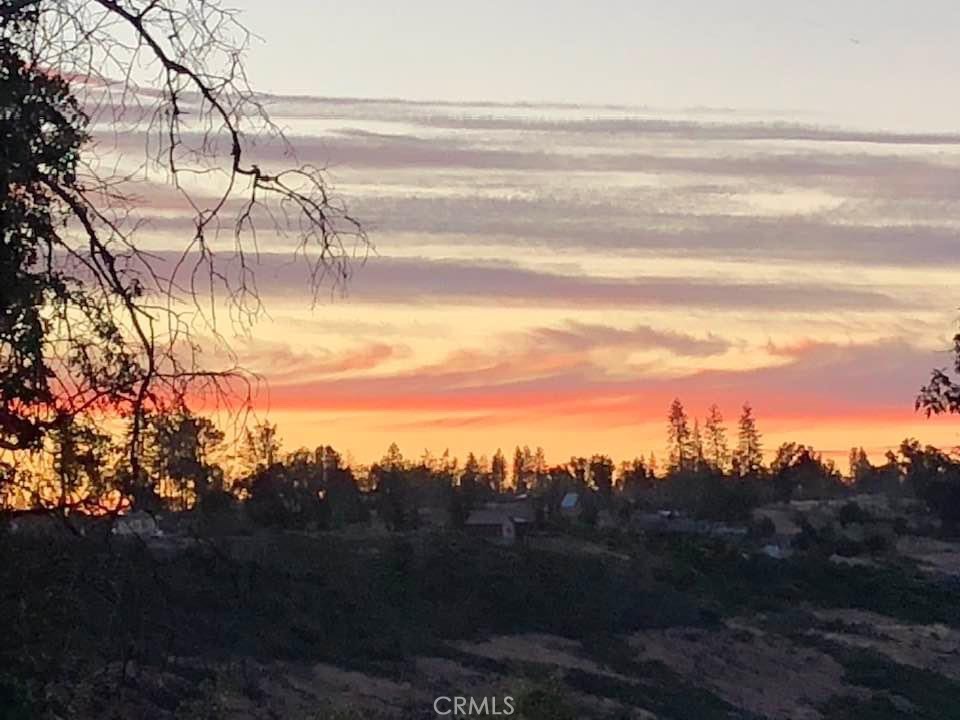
(559, 480)
(716, 450)
(42, 132)
(340, 492)
(698, 459)
(942, 394)
(281, 498)
(868, 478)
(262, 445)
(601, 474)
(634, 478)
(395, 497)
(860, 468)
(579, 467)
(520, 470)
(92, 327)
(469, 491)
(679, 438)
(934, 477)
(538, 467)
(529, 468)
(179, 449)
(748, 457)
(80, 465)
(800, 471)
(498, 472)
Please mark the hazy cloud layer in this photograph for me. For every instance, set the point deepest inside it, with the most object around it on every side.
(420, 280)
(412, 152)
(710, 123)
(823, 380)
(555, 188)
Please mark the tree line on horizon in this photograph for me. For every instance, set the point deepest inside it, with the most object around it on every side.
(187, 465)
(186, 456)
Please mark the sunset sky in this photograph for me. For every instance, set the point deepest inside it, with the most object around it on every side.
(580, 213)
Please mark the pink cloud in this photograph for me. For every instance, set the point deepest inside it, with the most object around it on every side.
(282, 364)
(822, 380)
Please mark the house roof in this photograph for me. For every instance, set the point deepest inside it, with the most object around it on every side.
(570, 500)
(516, 510)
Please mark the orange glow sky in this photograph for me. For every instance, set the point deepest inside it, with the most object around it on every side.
(555, 275)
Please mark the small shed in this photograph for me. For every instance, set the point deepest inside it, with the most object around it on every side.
(494, 525)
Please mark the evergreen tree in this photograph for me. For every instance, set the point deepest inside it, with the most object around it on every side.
(678, 438)
(601, 474)
(519, 470)
(393, 460)
(538, 468)
(698, 461)
(748, 458)
(498, 472)
(468, 493)
(471, 471)
(716, 450)
(396, 503)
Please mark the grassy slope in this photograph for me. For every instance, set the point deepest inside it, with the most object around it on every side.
(68, 610)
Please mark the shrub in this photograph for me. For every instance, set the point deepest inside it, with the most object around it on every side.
(761, 529)
(16, 700)
(545, 701)
(853, 513)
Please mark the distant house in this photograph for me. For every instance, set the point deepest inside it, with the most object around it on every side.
(139, 523)
(494, 525)
(519, 508)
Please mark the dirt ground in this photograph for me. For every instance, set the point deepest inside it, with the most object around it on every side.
(752, 670)
(762, 674)
(929, 647)
(934, 556)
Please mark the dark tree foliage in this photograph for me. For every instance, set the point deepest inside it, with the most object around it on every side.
(933, 476)
(748, 455)
(800, 472)
(394, 491)
(44, 374)
(279, 497)
(942, 394)
(91, 324)
(679, 438)
(601, 474)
